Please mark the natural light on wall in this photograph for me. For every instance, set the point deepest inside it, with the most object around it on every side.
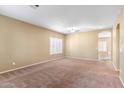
(55, 46)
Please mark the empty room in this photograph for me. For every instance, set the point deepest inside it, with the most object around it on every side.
(61, 46)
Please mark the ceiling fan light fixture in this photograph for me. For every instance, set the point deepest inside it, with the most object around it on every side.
(73, 29)
(34, 6)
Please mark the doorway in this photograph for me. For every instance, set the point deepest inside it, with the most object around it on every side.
(118, 46)
(104, 46)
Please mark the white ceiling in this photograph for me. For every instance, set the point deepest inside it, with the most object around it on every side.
(59, 17)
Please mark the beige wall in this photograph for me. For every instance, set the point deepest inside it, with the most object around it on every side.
(122, 45)
(119, 20)
(115, 47)
(122, 48)
(23, 43)
(83, 44)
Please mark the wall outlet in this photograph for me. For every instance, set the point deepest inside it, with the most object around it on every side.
(13, 63)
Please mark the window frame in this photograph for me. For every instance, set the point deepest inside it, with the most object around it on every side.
(55, 46)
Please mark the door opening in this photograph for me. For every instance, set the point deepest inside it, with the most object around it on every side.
(118, 46)
(104, 46)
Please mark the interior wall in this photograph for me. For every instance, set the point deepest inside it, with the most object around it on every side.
(122, 46)
(23, 43)
(83, 44)
(119, 20)
(115, 57)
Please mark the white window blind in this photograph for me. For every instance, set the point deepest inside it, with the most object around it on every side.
(102, 46)
(55, 45)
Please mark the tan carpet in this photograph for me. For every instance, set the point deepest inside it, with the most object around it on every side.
(64, 73)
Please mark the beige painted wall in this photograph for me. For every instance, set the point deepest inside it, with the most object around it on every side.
(23, 43)
(122, 45)
(115, 54)
(122, 48)
(119, 20)
(83, 44)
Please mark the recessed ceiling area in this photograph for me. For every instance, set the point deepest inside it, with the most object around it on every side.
(61, 18)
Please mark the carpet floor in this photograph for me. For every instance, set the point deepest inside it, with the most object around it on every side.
(63, 73)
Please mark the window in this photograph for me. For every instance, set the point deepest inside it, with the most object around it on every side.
(102, 46)
(104, 34)
(55, 45)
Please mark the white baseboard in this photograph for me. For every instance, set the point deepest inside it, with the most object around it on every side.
(115, 67)
(30, 65)
(90, 59)
(121, 81)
